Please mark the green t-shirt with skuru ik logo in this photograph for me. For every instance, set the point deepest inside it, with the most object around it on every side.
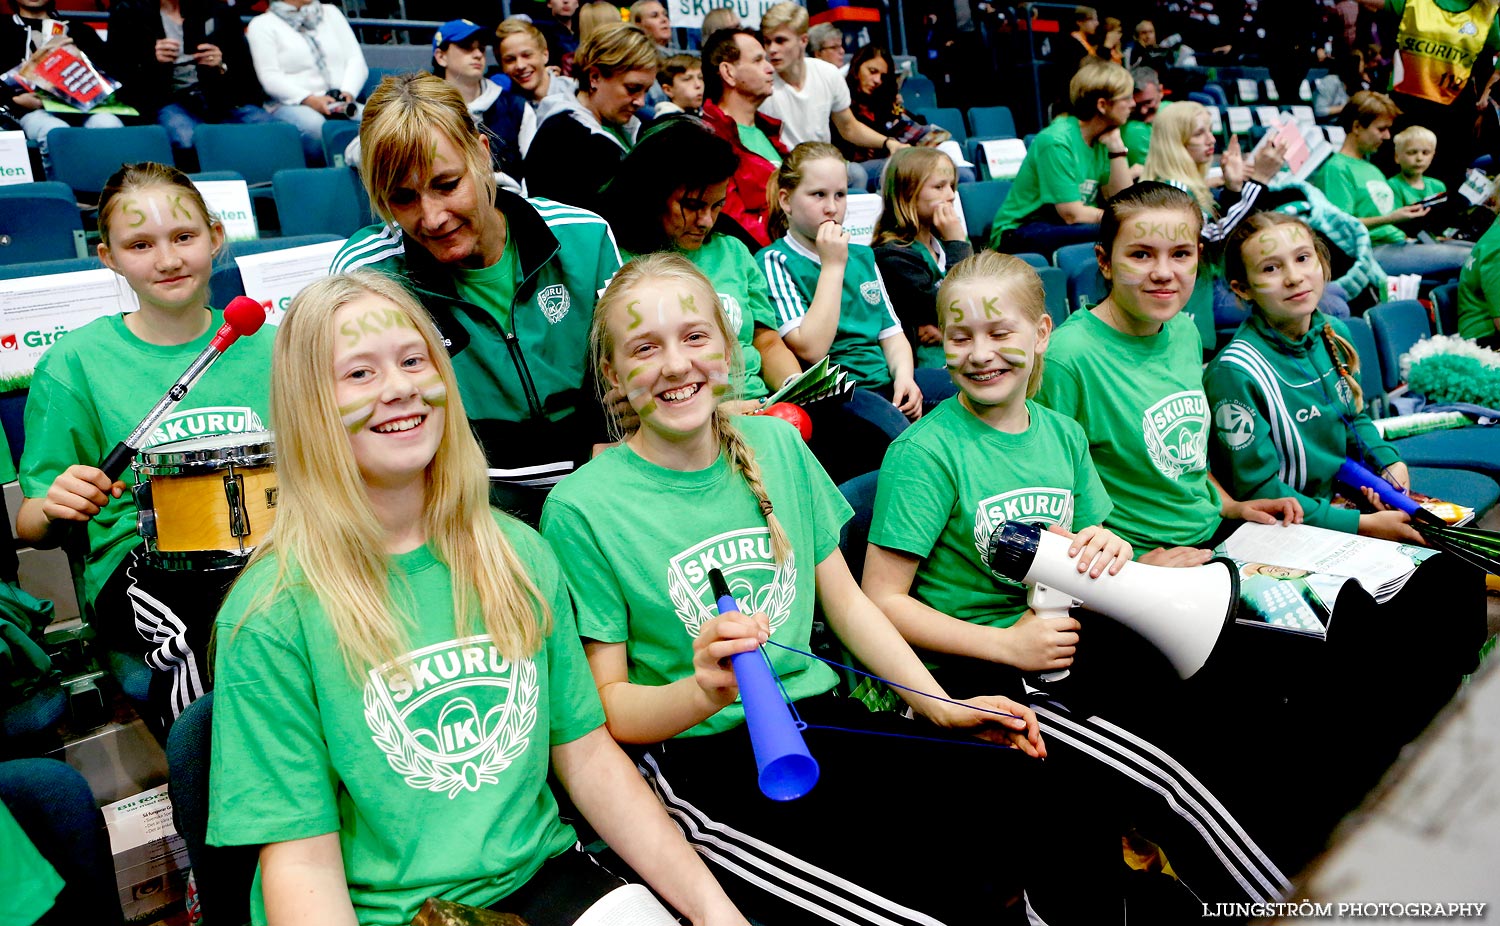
(1359, 188)
(1060, 167)
(637, 540)
(432, 768)
(950, 480)
(93, 387)
(1141, 403)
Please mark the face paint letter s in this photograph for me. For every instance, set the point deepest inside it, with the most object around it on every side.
(133, 207)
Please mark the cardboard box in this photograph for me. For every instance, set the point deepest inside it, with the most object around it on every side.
(150, 858)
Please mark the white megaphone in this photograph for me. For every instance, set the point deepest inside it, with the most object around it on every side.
(1180, 611)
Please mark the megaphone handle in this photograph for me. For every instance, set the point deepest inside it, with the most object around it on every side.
(1047, 603)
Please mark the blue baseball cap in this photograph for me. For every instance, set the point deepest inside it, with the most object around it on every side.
(454, 30)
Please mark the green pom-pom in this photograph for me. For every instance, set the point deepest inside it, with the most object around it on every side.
(1446, 378)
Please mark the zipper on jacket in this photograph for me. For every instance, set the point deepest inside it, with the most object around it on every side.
(513, 344)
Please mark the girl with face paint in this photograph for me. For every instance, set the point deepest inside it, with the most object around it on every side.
(92, 387)
(399, 667)
(976, 461)
(1129, 371)
(693, 488)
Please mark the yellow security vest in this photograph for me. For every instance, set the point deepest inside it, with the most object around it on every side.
(1436, 50)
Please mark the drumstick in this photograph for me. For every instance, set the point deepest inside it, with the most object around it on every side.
(243, 316)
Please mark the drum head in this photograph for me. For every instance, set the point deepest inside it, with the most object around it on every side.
(218, 451)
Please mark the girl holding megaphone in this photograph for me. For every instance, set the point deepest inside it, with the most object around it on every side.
(694, 489)
(991, 455)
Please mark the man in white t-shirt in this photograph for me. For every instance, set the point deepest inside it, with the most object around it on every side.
(809, 93)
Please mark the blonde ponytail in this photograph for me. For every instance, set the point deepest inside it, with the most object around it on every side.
(742, 460)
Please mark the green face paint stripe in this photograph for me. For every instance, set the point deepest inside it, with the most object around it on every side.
(1015, 356)
(356, 416)
(720, 389)
(648, 409)
(178, 208)
(713, 356)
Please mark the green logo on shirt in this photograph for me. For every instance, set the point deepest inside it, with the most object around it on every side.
(554, 302)
(451, 717)
(1033, 505)
(1234, 423)
(745, 558)
(1176, 433)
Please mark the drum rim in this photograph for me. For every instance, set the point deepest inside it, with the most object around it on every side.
(249, 454)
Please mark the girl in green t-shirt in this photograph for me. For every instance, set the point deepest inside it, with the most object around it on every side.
(990, 456)
(89, 392)
(693, 488)
(398, 666)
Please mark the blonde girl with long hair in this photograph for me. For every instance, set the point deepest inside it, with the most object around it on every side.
(691, 488)
(398, 666)
(91, 389)
(918, 236)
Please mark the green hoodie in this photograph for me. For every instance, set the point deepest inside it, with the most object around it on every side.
(525, 382)
(1285, 420)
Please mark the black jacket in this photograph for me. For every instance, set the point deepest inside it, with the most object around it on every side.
(146, 84)
(912, 283)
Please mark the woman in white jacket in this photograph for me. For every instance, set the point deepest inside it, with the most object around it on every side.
(309, 63)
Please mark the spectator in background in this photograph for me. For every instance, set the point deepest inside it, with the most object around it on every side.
(596, 15)
(681, 81)
(651, 16)
(1357, 186)
(1136, 133)
(1479, 292)
(826, 41)
(1074, 160)
(504, 117)
(1440, 48)
(1331, 91)
(1144, 51)
(737, 78)
(522, 52)
(181, 64)
(811, 98)
(720, 17)
(560, 29)
(1110, 47)
(580, 141)
(875, 103)
(310, 65)
(23, 33)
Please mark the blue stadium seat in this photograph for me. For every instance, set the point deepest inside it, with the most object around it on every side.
(981, 200)
(337, 134)
(918, 91)
(1461, 486)
(1086, 286)
(947, 117)
(321, 200)
(84, 159)
(859, 492)
(1445, 303)
(1397, 326)
(1055, 286)
(39, 221)
(1039, 261)
(992, 122)
(256, 152)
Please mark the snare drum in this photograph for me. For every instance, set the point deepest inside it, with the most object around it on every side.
(206, 503)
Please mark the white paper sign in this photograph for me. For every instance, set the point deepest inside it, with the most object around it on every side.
(1003, 157)
(688, 14)
(273, 278)
(1268, 115)
(1215, 120)
(1239, 119)
(15, 162)
(1249, 92)
(36, 311)
(230, 201)
(860, 215)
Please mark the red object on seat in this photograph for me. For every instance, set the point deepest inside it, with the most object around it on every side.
(786, 411)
